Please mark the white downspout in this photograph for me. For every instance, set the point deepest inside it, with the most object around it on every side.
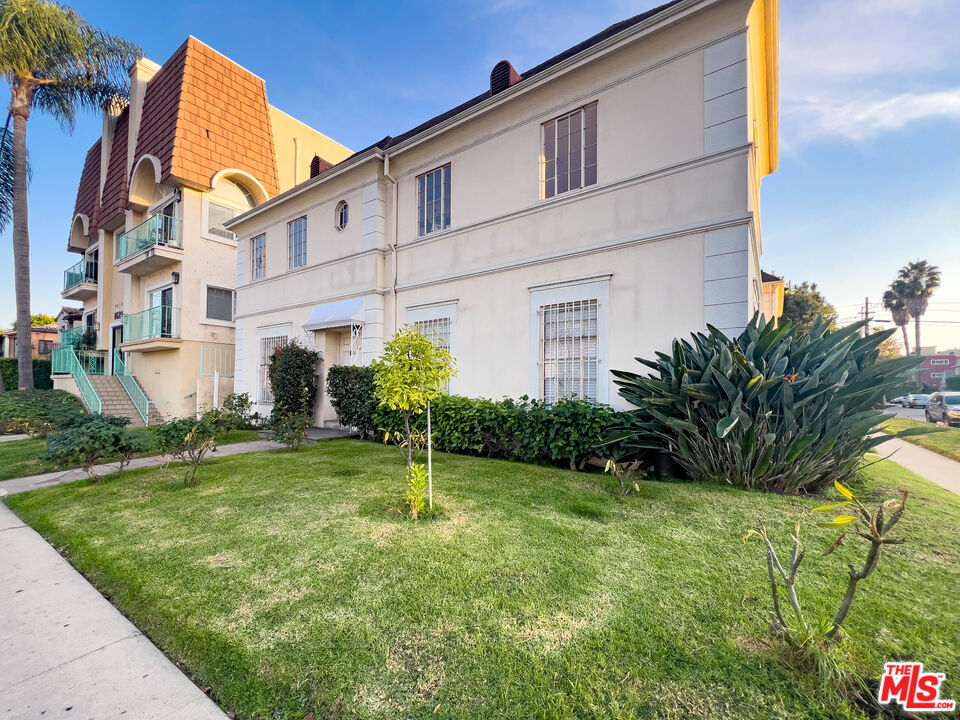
(393, 245)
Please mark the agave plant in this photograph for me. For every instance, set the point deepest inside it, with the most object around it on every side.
(773, 409)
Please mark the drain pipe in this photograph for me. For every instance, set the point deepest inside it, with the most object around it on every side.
(393, 245)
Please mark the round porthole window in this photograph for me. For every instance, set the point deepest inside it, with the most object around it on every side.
(342, 215)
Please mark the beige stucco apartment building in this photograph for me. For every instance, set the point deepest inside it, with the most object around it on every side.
(196, 145)
(554, 227)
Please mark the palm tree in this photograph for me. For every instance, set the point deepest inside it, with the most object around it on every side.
(921, 279)
(895, 300)
(56, 62)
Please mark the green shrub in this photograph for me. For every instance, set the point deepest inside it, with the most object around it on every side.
(953, 383)
(241, 407)
(90, 439)
(37, 411)
(772, 409)
(289, 428)
(41, 374)
(351, 393)
(568, 432)
(187, 440)
(293, 378)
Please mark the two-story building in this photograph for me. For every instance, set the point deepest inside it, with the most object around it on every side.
(196, 145)
(555, 226)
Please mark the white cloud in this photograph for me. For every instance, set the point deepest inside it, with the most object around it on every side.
(853, 70)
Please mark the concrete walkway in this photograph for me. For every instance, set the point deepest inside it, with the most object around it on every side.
(936, 468)
(8, 438)
(65, 652)
(18, 485)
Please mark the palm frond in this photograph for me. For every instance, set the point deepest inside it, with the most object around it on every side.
(6, 177)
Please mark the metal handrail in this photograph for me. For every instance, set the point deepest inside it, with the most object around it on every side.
(155, 230)
(134, 391)
(83, 271)
(64, 360)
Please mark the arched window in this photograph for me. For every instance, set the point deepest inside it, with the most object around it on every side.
(342, 214)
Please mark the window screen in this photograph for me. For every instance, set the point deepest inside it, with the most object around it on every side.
(219, 304)
(568, 350)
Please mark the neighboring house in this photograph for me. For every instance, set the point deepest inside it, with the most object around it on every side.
(67, 319)
(43, 340)
(558, 225)
(936, 367)
(771, 295)
(197, 144)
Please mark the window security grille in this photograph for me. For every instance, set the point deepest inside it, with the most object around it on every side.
(436, 330)
(268, 346)
(568, 350)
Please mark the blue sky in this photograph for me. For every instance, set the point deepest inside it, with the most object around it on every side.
(869, 173)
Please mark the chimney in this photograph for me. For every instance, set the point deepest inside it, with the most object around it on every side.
(503, 76)
(318, 165)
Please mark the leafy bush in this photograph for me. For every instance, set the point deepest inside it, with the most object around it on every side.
(89, 439)
(289, 428)
(241, 407)
(772, 409)
(351, 393)
(568, 432)
(37, 412)
(41, 374)
(187, 440)
(293, 378)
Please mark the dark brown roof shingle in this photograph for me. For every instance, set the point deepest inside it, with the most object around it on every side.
(88, 191)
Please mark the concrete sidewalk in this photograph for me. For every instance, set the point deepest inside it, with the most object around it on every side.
(936, 468)
(18, 485)
(65, 652)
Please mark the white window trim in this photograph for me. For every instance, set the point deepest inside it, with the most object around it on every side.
(306, 244)
(205, 219)
(437, 311)
(170, 197)
(336, 215)
(147, 291)
(216, 321)
(416, 194)
(542, 194)
(282, 330)
(940, 361)
(553, 293)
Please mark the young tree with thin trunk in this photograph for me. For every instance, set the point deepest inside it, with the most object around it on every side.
(55, 62)
(921, 279)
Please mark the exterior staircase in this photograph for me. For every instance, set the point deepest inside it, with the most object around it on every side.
(115, 400)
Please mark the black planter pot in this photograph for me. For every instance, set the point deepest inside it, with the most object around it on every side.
(664, 466)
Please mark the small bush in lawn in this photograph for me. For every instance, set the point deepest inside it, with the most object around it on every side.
(351, 389)
(187, 440)
(223, 421)
(772, 409)
(289, 428)
(241, 407)
(91, 439)
(293, 378)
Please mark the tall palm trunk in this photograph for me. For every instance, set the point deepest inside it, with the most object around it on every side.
(22, 96)
(916, 334)
(906, 338)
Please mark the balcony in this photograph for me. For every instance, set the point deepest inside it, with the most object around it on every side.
(80, 281)
(155, 329)
(153, 244)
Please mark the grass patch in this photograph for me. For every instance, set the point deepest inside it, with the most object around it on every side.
(284, 583)
(22, 458)
(946, 442)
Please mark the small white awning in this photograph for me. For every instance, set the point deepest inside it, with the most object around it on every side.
(342, 313)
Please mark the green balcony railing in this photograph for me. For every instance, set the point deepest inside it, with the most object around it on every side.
(83, 271)
(92, 361)
(71, 336)
(64, 361)
(134, 391)
(160, 230)
(162, 321)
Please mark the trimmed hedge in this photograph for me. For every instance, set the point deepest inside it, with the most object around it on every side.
(351, 393)
(293, 379)
(41, 374)
(37, 410)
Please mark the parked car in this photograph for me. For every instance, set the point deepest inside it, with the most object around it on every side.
(900, 400)
(944, 407)
(917, 400)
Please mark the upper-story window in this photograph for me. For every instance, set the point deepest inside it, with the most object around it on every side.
(217, 215)
(341, 214)
(569, 159)
(258, 257)
(297, 243)
(219, 304)
(433, 200)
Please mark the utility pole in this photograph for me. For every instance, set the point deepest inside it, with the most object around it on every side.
(865, 313)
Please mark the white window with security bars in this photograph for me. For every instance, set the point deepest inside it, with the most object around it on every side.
(438, 322)
(433, 201)
(436, 330)
(297, 243)
(569, 152)
(569, 333)
(258, 257)
(217, 215)
(270, 340)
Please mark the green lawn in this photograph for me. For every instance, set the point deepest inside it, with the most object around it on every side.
(20, 458)
(946, 442)
(284, 583)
